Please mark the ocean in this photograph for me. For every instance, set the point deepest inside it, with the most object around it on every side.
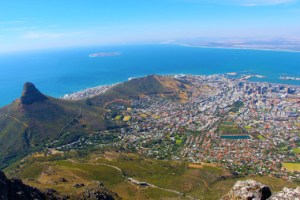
(61, 71)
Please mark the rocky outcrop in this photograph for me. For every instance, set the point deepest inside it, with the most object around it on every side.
(253, 190)
(98, 193)
(30, 94)
(248, 190)
(15, 190)
(287, 194)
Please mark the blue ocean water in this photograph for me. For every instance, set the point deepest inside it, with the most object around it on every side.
(57, 72)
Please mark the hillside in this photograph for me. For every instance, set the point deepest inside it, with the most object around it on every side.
(132, 176)
(35, 120)
(15, 189)
(138, 87)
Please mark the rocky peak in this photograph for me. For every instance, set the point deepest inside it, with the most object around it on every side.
(98, 193)
(31, 94)
(15, 189)
(253, 190)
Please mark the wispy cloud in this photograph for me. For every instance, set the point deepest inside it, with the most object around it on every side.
(265, 2)
(51, 35)
(13, 22)
(36, 35)
(241, 2)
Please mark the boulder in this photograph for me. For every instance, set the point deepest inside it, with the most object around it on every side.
(248, 190)
(287, 194)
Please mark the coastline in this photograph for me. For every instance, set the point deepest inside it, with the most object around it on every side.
(63, 78)
(231, 48)
(94, 91)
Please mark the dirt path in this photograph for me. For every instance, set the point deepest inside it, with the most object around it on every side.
(17, 120)
(70, 122)
(134, 181)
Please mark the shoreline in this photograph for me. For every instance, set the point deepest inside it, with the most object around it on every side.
(231, 48)
(94, 91)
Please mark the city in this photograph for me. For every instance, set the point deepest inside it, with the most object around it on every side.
(247, 127)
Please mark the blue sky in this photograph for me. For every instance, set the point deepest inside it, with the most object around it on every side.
(37, 24)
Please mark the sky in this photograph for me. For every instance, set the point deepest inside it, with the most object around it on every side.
(43, 24)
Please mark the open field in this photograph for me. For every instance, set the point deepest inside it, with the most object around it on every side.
(292, 166)
(261, 137)
(230, 128)
(296, 150)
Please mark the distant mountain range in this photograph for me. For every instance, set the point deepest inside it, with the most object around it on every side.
(273, 44)
(36, 120)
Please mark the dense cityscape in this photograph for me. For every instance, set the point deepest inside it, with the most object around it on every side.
(246, 127)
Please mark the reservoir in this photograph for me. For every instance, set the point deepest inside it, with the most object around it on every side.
(236, 137)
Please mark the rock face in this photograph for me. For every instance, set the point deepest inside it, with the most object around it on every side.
(248, 190)
(30, 94)
(252, 190)
(287, 194)
(98, 193)
(16, 190)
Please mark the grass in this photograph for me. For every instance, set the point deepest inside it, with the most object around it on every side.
(105, 174)
(200, 182)
(297, 124)
(236, 106)
(178, 141)
(229, 128)
(34, 170)
(292, 166)
(261, 137)
(119, 117)
(296, 150)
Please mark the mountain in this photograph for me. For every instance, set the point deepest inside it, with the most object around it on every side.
(35, 119)
(15, 189)
(138, 87)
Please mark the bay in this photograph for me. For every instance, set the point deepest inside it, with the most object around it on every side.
(59, 71)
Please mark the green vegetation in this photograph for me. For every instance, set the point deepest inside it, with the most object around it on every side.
(53, 122)
(34, 170)
(119, 117)
(236, 106)
(296, 150)
(261, 137)
(112, 169)
(292, 166)
(180, 138)
(179, 142)
(230, 128)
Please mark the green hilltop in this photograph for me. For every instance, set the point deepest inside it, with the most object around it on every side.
(36, 120)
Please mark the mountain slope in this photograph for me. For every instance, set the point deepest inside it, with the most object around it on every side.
(36, 119)
(137, 87)
(15, 189)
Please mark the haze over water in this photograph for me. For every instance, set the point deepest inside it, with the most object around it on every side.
(57, 72)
